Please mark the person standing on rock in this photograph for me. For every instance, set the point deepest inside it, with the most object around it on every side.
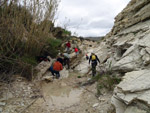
(76, 51)
(93, 59)
(68, 45)
(66, 60)
(60, 58)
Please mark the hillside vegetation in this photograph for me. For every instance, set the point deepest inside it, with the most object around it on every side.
(26, 31)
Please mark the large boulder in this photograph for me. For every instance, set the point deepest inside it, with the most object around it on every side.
(133, 90)
(131, 60)
(130, 37)
(42, 68)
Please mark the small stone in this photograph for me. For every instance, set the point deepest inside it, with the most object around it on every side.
(1, 110)
(95, 105)
(22, 104)
(102, 100)
(89, 79)
(29, 88)
(2, 103)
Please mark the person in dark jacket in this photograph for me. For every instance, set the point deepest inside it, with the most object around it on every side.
(87, 57)
(93, 59)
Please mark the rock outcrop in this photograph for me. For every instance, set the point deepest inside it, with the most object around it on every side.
(126, 50)
(129, 47)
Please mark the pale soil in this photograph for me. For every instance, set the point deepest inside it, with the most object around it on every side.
(60, 96)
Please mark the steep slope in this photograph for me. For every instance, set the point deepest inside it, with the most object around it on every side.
(130, 55)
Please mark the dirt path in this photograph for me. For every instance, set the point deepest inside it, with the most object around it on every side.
(67, 96)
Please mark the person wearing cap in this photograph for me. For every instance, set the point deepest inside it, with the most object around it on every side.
(93, 59)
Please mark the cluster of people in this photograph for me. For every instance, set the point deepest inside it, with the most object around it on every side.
(63, 59)
(57, 66)
(68, 47)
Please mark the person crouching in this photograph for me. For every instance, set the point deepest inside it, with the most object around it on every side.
(55, 68)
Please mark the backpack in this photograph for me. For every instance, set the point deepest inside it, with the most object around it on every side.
(93, 57)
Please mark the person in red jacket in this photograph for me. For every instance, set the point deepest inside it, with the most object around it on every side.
(68, 45)
(57, 66)
(76, 51)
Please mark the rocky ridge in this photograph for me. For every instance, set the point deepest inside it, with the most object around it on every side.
(130, 56)
(126, 51)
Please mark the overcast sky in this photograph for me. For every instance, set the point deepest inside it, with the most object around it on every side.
(89, 17)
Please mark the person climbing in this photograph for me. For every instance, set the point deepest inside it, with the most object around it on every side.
(68, 45)
(66, 60)
(55, 68)
(93, 59)
(60, 59)
(76, 51)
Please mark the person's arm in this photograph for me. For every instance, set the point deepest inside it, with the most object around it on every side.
(97, 59)
(61, 67)
(90, 59)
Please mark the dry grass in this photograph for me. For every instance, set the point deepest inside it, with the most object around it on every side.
(24, 33)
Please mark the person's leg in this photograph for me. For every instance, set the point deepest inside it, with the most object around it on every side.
(93, 69)
(51, 70)
(68, 63)
(64, 61)
(68, 50)
(57, 75)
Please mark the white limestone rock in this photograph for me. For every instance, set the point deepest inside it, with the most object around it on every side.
(122, 40)
(120, 106)
(129, 62)
(95, 105)
(1, 109)
(147, 50)
(48, 78)
(134, 87)
(132, 109)
(145, 41)
(131, 49)
(64, 73)
(146, 59)
(42, 67)
(2, 103)
(135, 81)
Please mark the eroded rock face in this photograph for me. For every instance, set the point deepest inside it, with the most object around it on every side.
(134, 89)
(135, 12)
(129, 43)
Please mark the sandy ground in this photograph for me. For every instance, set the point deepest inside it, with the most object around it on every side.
(66, 95)
(69, 96)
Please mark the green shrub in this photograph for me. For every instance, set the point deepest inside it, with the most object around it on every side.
(29, 60)
(54, 42)
(22, 39)
(53, 47)
(66, 32)
(106, 81)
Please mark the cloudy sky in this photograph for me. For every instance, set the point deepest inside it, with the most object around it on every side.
(89, 17)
